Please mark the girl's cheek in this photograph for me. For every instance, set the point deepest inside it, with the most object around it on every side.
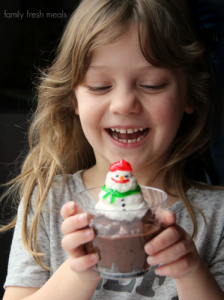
(169, 110)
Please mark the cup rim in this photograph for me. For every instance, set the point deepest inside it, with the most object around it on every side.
(126, 210)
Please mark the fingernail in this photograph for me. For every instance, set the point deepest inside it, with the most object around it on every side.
(88, 233)
(71, 206)
(82, 218)
(158, 272)
(151, 260)
(94, 257)
(149, 248)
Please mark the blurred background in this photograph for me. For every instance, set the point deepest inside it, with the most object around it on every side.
(30, 31)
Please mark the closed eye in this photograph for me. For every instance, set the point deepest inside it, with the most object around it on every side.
(154, 87)
(98, 88)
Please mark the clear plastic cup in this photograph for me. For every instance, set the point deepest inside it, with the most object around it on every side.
(120, 244)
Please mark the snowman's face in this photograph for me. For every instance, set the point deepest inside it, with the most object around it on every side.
(121, 176)
(121, 180)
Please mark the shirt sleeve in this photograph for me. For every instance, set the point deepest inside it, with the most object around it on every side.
(217, 264)
(23, 270)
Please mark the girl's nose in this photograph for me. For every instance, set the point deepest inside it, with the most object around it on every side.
(125, 103)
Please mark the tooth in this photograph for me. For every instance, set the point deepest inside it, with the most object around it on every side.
(122, 131)
(136, 130)
(129, 141)
(117, 129)
(133, 141)
(125, 141)
(113, 129)
(115, 137)
(141, 129)
(139, 139)
(120, 140)
(130, 131)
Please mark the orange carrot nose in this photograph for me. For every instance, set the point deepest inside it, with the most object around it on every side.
(121, 177)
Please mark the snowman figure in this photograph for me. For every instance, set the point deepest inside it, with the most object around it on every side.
(121, 197)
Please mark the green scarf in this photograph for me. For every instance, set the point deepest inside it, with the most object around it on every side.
(115, 193)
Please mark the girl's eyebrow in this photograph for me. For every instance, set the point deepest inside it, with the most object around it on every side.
(102, 67)
(98, 67)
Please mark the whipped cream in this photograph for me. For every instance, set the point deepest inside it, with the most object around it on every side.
(121, 197)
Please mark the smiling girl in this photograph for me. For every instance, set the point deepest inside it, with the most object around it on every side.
(130, 81)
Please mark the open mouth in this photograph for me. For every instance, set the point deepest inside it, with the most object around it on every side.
(128, 135)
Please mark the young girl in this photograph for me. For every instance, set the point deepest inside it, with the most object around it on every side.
(130, 81)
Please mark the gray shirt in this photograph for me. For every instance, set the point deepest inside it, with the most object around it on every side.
(24, 271)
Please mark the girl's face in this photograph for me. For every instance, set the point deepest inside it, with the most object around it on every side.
(128, 108)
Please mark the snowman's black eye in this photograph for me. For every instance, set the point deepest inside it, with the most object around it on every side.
(117, 175)
(126, 176)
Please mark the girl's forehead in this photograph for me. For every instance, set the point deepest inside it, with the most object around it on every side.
(125, 49)
(124, 57)
(129, 36)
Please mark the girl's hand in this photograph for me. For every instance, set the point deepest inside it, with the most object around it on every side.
(76, 234)
(175, 249)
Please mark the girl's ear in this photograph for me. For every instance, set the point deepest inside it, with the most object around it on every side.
(189, 108)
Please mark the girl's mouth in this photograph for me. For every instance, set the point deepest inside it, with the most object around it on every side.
(132, 135)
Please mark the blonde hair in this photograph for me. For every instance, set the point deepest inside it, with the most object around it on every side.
(57, 142)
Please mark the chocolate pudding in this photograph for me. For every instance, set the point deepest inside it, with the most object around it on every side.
(120, 244)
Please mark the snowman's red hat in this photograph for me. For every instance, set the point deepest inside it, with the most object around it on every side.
(121, 165)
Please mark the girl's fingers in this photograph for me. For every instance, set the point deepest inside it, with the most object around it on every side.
(74, 222)
(169, 218)
(68, 209)
(84, 262)
(165, 239)
(79, 251)
(75, 239)
(183, 266)
(172, 253)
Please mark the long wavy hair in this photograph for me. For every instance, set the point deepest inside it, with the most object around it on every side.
(56, 140)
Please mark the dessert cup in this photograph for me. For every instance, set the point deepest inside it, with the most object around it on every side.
(120, 244)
